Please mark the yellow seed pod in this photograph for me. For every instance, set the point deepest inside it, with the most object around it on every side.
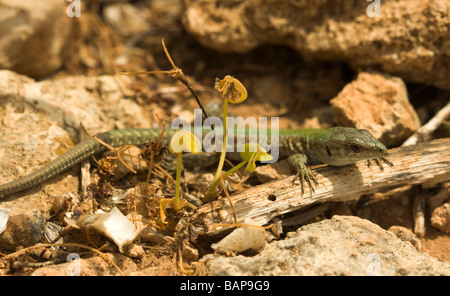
(232, 89)
(184, 141)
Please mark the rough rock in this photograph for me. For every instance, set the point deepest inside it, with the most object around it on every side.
(125, 18)
(273, 171)
(409, 38)
(405, 235)
(151, 235)
(440, 218)
(342, 245)
(134, 251)
(40, 119)
(22, 230)
(379, 103)
(27, 27)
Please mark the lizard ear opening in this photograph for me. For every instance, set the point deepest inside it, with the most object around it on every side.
(328, 150)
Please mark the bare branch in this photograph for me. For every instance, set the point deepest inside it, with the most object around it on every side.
(423, 133)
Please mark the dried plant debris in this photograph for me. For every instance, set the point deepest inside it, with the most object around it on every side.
(113, 225)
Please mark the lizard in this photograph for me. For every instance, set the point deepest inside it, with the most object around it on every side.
(337, 146)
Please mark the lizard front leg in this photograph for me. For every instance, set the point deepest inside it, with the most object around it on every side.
(379, 164)
(298, 164)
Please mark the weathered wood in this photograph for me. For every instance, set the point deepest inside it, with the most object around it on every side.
(425, 131)
(427, 164)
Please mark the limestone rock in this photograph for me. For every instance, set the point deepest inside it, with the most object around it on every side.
(41, 120)
(410, 38)
(273, 171)
(125, 18)
(378, 103)
(342, 245)
(35, 39)
(22, 230)
(406, 235)
(440, 218)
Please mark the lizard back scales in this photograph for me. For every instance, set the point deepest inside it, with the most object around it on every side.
(334, 146)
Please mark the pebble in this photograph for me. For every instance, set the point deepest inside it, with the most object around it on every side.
(22, 230)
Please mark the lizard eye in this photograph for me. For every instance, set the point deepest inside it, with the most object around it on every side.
(355, 148)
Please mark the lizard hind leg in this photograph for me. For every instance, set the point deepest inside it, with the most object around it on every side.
(297, 163)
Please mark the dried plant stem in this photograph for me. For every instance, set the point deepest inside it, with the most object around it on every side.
(176, 73)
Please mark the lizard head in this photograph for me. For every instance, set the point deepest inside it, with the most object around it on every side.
(347, 145)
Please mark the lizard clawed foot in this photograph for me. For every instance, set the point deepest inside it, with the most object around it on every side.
(379, 164)
(303, 173)
(308, 175)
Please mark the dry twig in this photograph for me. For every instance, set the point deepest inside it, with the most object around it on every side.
(425, 131)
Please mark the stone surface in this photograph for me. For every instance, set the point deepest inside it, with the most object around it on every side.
(342, 245)
(125, 18)
(41, 120)
(379, 103)
(410, 38)
(440, 218)
(22, 230)
(273, 171)
(405, 235)
(27, 27)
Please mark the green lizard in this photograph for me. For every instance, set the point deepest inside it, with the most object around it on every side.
(337, 146)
